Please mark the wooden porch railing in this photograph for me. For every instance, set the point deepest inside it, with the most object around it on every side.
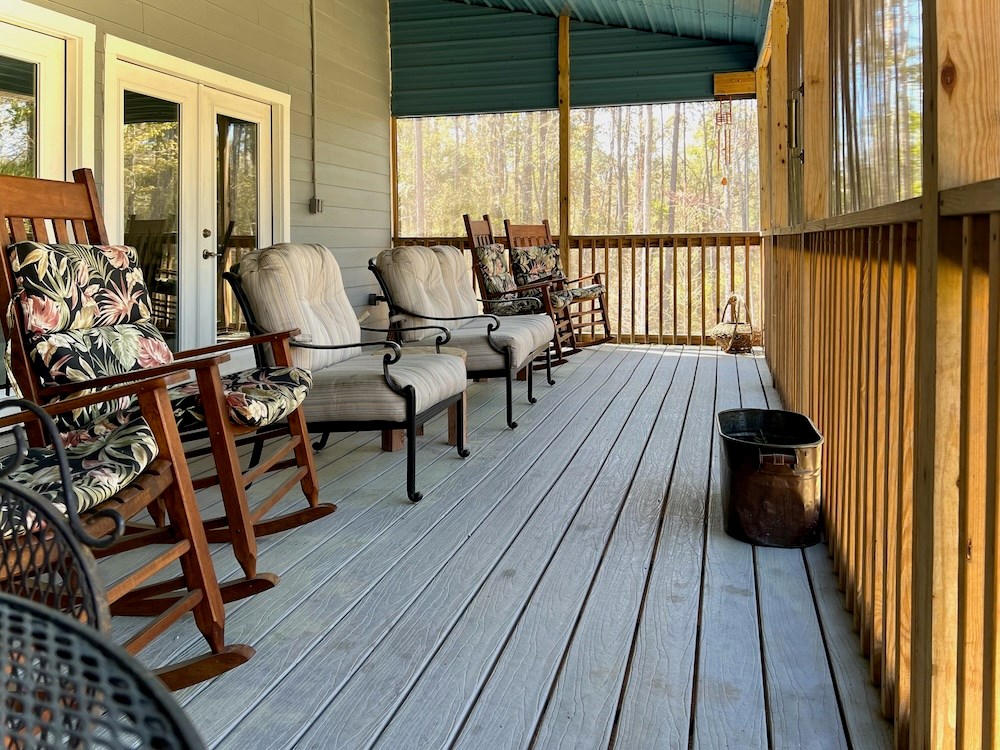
(842, 301)
(664, 289)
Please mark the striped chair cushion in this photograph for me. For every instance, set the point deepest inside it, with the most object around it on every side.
(525, 334)
(300, 286)
(355, 390)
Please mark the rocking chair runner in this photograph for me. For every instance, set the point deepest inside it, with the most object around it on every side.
(503, 296)
(535, 258)
(249, 405)
(128, 465)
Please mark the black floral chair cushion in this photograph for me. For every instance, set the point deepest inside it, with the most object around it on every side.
(533, 264)
(500, 286)
(255, 397)
(541, 263)
(87, 312)
(103, 459)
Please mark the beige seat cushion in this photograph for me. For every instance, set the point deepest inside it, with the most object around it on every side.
(300, 286)
(525, 334)
(355, 390)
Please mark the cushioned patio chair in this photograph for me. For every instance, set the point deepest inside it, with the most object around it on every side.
(113, 469)
(84, 312)
(534, 258)
(300, 286)
(503, 296)
(428, 285)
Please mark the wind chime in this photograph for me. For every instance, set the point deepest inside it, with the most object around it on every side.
(724, 141)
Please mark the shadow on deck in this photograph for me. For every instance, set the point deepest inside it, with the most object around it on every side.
(568, 585)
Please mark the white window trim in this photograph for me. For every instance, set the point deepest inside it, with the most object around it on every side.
(118, 49)
(80, 37)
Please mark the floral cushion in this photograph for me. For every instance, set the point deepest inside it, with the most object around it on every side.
(102, 461)
(497, 279)
(517, 306)
(533, 264)
(74, 287)
(255, 397)
(562, 297)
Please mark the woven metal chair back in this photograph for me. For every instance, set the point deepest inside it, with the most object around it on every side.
(43, 558)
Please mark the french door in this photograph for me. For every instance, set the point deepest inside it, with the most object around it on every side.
(32, 103)
(189, 185)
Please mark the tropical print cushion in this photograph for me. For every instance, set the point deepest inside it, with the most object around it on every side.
(74, 287)
(518, 306)
(256, 398)
(102, 461)
(75, 356)
(533, 264)
(562, 297)
(87, 314)
(497, 279)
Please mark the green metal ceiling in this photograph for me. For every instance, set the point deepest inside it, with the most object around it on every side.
(451, 57)
(720, 20)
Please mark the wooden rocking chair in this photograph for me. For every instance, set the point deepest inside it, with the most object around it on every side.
(54, 497)
(211, 408)
(535, 258)
(503, 296)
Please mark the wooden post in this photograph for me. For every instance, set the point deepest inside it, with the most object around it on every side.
(966, 78)
(937, 461)
(779, 114)
(816, 109)
(394, 176)
(764, 142)
(564, 140)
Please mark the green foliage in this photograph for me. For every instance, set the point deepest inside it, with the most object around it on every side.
(151, 169)
(17, 135)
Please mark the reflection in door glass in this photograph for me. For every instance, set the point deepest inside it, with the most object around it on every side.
(151, 154)
(237, 212)
(17, 117)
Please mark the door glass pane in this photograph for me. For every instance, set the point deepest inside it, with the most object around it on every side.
(151, 155)
(237, 211)
(18, 113)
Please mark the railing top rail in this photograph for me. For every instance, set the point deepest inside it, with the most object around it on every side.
(668, 238)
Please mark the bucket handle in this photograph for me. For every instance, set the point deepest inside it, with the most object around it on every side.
(778, 459)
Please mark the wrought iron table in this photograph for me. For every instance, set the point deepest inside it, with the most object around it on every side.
(64, 686)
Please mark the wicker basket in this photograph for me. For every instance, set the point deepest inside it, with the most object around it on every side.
(736, 333)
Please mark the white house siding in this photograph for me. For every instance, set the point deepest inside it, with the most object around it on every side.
(268, 42)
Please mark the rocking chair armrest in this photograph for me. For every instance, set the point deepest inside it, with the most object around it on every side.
(133, 388)
(596, 277)
(134, 376)
(262, 338)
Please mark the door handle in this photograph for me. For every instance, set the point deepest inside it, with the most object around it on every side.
(206, 254)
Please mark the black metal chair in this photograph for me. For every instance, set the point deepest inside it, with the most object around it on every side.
(67, 686)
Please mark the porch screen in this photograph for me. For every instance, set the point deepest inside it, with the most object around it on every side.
(876, 62)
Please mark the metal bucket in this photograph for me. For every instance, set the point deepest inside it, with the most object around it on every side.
(771, 463)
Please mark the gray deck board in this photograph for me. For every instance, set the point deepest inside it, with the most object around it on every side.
(729, 701)
(471, 578)
(657, 702)
(568, 585)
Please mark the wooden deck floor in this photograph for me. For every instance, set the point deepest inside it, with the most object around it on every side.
(568, 585)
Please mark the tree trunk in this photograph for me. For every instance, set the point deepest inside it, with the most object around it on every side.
(418, 176)
(588, 162)
(674, 163)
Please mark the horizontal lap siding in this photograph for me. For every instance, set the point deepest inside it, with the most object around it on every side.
(268, 42)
